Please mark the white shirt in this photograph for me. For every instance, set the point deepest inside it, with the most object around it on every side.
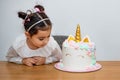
(20, 50)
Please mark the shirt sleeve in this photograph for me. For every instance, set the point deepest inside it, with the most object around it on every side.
(55, 54)
(12, 56)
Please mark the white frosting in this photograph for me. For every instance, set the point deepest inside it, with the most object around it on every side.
(78, 55)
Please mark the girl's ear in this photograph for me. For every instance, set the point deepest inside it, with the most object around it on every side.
(27, 34)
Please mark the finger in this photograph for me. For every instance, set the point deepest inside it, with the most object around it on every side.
(37, 64)
(29, 64)
(33, 61)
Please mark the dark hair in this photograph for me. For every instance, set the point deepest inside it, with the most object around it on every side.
(31, 18)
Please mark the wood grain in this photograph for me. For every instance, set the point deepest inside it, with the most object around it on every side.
(10, 71)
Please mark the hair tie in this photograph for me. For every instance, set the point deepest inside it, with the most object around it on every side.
(37, 10)
(26, 18)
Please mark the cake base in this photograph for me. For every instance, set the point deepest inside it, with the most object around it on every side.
(60, 66)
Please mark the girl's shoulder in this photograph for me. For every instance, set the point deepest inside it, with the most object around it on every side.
(52, 42)
(19, 41)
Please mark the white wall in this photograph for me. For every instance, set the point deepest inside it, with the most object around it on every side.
(98, 18)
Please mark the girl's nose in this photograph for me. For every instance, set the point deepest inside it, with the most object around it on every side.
(45, 41)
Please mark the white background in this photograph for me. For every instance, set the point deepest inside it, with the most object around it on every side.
(100, 19)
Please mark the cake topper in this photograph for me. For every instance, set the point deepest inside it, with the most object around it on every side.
(77, 38)
(86, 39)
(78, 34)
(71, 38)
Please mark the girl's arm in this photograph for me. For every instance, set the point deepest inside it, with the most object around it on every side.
(12, 56)
(56, 55)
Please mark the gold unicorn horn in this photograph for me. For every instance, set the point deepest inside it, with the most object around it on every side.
(78, 34)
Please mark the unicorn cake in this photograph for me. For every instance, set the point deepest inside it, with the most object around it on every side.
(78, 54)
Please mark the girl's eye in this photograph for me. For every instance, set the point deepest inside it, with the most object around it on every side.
(41, 39)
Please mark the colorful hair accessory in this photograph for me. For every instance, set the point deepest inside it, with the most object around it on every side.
(37, 10)
(26, 17)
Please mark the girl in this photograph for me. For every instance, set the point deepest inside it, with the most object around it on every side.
(36, 46)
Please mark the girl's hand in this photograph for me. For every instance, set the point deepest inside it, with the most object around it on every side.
(39, 60)
(28, 61)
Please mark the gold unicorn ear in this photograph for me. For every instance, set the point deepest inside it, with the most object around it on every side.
(71, 38)
(78, 34)
(86, 39)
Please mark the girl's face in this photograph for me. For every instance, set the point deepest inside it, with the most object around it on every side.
(38, 40)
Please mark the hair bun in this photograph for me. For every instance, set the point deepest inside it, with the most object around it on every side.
(39, 8)
(22, 15)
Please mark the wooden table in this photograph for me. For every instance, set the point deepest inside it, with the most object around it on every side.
(10, 71)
